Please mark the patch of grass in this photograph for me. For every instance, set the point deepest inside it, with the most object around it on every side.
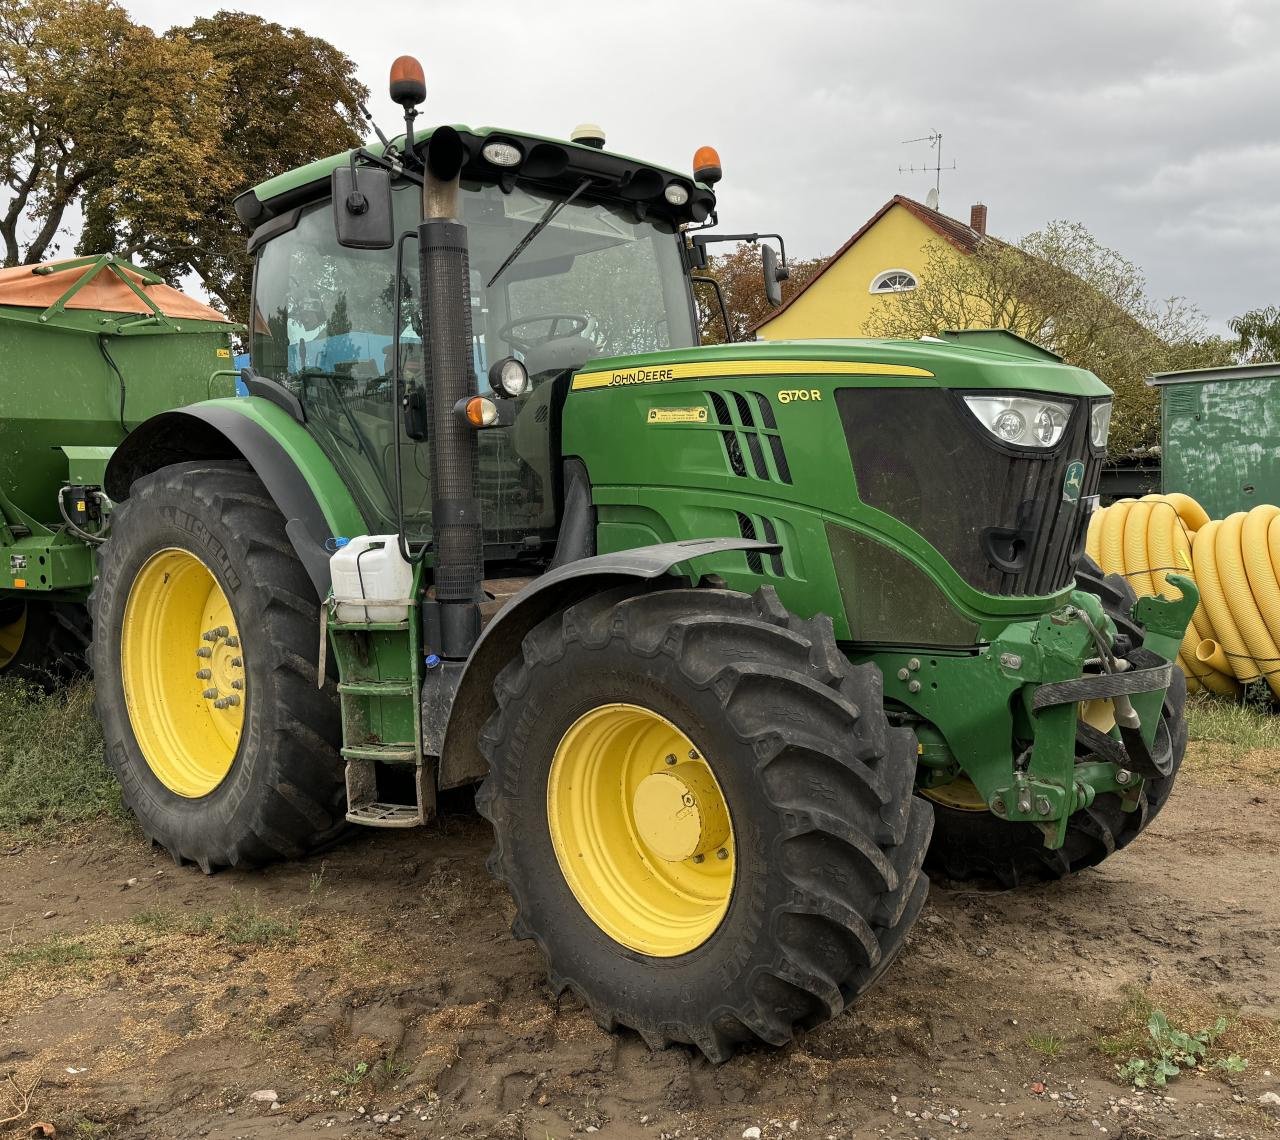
(1243, 726)
(164, 920)
(247, 925)
(1233, 743)
(52, 953)
(1049, 1044)
(51, 769)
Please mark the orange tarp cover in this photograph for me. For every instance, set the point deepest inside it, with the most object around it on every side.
(20, 286)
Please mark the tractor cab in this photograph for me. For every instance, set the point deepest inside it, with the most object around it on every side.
(337, 329)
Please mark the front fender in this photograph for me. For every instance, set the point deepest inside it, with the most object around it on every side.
(461, 761)
(297, 474)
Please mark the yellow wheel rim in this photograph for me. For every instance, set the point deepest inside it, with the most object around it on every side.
(11, 636)
(641, 830)
(960, 794)
(184, 674)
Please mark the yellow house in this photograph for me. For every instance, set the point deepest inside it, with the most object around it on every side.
(884, 257)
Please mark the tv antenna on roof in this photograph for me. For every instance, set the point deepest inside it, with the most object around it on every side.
(934, 139)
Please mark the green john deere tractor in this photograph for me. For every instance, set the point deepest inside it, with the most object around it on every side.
(783, 622)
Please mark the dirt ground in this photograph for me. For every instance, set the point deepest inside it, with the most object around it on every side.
(376, 991)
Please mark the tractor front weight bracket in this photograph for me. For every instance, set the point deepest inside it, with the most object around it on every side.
(964, 705)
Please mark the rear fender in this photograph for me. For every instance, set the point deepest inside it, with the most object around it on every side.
(298, 476)
(461, 761)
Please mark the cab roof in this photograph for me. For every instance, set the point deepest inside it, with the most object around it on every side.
(545, 161)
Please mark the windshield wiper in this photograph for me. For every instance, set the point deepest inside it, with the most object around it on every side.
(543, 222)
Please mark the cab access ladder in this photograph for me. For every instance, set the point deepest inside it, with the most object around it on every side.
(380, 665)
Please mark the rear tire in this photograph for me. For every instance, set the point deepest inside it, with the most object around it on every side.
(977, 844)
(826, 838)
(283, 791)
(43, 643)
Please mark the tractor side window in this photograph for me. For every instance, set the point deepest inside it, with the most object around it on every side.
(324, 324)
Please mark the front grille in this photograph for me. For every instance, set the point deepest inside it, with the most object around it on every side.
(921, 456)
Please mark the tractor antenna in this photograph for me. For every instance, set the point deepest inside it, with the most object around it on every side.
(934, 139)
(368, 118)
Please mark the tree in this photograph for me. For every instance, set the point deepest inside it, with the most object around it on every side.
(1063, 289)
(1259, 333)
(740, 277)
(151, 137)
(93, 105)
(285, 99)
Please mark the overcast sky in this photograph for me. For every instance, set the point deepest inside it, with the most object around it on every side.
(1156, 124)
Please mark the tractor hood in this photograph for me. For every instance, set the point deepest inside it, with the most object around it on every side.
(953, 363)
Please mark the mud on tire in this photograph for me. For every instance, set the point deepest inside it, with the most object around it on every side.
(819, 788)
(284, 794)
(969, 845)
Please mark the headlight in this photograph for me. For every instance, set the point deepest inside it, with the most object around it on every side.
(508, 377)
(1100, 423)
(501, 153)
(1022, 421)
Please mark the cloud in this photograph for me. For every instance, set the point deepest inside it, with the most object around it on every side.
(1154, 124)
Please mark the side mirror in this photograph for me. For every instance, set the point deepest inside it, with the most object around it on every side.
(362, 207)
(774, 275)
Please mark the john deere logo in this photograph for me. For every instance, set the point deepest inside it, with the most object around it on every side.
(1073, 482)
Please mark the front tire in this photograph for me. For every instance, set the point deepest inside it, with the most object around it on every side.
(787, 881)
(973, 843)
(206, 634)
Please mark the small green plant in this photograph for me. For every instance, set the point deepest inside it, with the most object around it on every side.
(389, 1070)
(355, 1075)
(1050, 1044)
(1172, 1050)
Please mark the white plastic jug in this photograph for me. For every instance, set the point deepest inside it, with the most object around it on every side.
(368, 570)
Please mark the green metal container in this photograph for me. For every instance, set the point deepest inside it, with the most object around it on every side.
(88, 348)
(1220, 435)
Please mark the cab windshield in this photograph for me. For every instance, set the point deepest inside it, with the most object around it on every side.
(596, 282)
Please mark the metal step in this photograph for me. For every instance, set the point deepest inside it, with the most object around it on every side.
(364, 808)
(377, 689)
(368, 626)
(384, 753)
(386, 815)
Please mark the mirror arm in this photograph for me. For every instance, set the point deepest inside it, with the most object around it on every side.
(724, 309)
(706, 239)
(394, 165)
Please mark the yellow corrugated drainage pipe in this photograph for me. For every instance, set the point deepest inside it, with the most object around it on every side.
(1245, 591)
(1234, 637)
(1144, 541)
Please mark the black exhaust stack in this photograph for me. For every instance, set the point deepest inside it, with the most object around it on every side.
(453, 621)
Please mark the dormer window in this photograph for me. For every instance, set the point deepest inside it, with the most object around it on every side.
(893, 281)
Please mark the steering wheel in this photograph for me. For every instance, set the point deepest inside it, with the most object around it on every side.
(574, 324)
